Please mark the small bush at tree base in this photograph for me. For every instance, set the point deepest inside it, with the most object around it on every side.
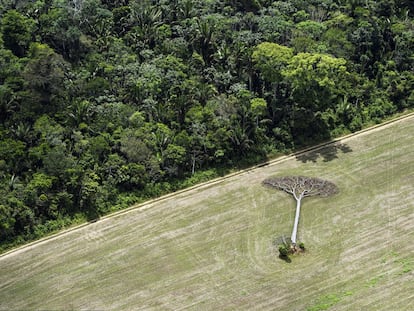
(283, 250)
(302, 246)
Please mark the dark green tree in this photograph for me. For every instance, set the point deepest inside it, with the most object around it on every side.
(17, 31)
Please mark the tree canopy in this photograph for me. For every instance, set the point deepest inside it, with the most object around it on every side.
(113, 102)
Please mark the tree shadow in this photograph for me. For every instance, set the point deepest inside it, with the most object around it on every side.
(285, 258)
(327, 153)
(92, 216)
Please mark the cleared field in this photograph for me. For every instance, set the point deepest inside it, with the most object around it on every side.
(212, 248)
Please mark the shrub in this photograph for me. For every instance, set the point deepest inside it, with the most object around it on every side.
(283, 251)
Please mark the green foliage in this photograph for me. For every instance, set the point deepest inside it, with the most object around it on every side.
(325, 303)
(305, 69)
(284, 251)
(328, 301)
(11, 151)
(60, 30)
(44, 74)
(271, 59)
(104, 98)
(16, 30)
(7, 221)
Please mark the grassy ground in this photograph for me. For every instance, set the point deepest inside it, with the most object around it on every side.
(212, 248)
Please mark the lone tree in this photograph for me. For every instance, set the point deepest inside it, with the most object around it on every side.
(301, 187)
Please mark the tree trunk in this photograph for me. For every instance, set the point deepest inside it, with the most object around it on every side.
(295, 225)
(193, 164)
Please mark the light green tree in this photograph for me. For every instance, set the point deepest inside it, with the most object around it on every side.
(271, 59)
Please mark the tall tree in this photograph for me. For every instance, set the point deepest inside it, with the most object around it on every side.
(301, 187)
(271, 59)
(17, 32)
(45, 74)
(318, 81)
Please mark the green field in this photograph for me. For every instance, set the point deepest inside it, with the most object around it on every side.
(212, 248)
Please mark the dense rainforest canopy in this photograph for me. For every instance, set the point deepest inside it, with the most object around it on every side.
(105, 103)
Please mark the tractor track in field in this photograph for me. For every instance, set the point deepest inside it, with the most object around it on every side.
(148, 204)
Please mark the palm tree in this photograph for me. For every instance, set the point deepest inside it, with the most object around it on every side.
(13, 182)
(23, 131)
(81, 112)
(239, 136)
(204, 40)
(8, 104)
(146, 20)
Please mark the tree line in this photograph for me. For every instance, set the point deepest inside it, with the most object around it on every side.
(107, 103)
